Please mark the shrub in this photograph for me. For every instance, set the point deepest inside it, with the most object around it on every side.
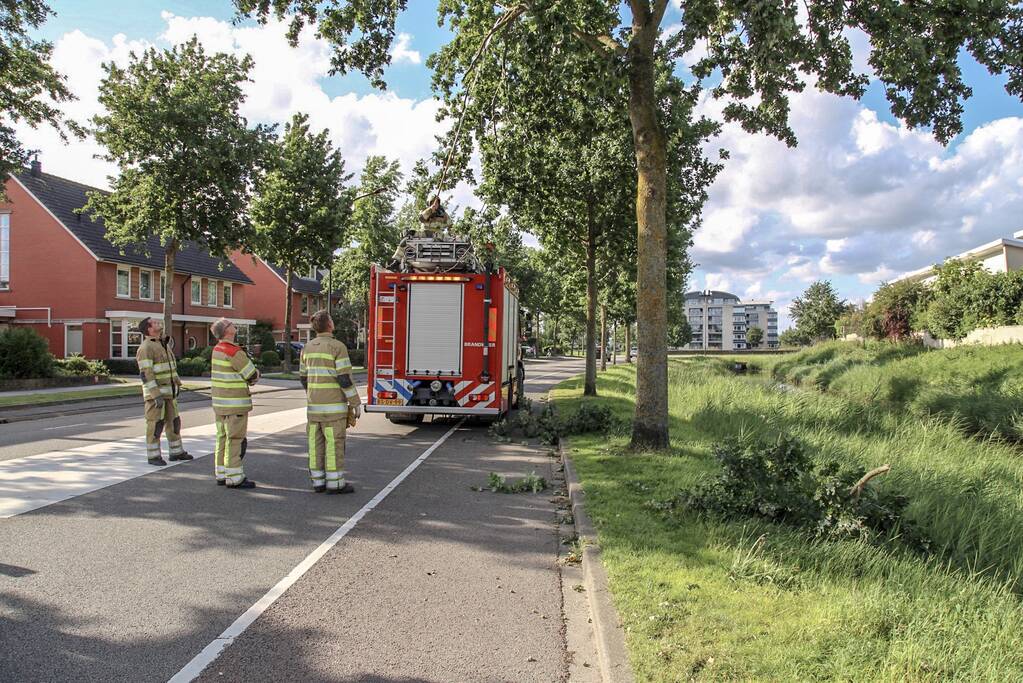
(589, 418)
(779, 482)
(122, 366)
(897, 309)
(357, 356)
(205, 352)
(24, 354)
(192, 367)
(79, 366)
(262, 333)
(270, 359)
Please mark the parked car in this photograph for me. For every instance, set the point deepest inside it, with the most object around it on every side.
(296, 349)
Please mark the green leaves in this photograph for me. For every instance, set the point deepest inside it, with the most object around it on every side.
(187, 157)
(30, 89)
(816, 311)
(301, 206)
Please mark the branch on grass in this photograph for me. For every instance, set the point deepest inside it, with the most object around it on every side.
(857, 488)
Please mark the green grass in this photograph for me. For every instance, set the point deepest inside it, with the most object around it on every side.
(711, 599)
(979, 388)
(69, 396)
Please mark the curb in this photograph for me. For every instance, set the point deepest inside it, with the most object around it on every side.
(607, 628)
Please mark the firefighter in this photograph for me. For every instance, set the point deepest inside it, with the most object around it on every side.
(232, 373)
(160, 387)
(333, 404)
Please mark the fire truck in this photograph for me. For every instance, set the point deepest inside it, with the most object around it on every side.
(443, 337)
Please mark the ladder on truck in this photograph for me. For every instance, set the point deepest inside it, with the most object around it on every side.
(383, 359)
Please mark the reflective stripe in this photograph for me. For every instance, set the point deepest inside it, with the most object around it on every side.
(331, 452)
(311, 429)
(321, 356)
(321, 372)
(331, 382)
(224, 375)
(163, 367)
(151, 384)
(220, 449)
(145, 364)
(350, 392)
(227, 402)
(229, 383)
(342, 364)
(249, 370)
(328, 408)
(166, 390)
(222, 363)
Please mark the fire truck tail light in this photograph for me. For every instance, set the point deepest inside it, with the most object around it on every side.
(387, 394)
(476, 398)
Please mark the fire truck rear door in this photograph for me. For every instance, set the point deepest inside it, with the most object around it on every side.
(435, 328)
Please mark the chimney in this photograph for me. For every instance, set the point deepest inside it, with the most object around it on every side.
(37, 168)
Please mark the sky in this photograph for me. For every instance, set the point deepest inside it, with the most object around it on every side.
(859, 201)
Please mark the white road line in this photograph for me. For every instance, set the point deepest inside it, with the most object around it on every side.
(210, 653)
(77, 424)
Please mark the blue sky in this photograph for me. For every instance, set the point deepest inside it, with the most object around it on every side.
(860, 200)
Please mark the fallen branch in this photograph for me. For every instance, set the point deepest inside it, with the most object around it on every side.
(857, 488)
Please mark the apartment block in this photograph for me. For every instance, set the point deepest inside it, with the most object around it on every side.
(720, 321)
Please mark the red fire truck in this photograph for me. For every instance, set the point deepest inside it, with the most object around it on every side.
(443, 333)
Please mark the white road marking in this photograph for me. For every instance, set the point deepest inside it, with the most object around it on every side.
(210, 653)
(36, 481)
(77, 424)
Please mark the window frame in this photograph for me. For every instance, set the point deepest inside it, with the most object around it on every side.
(228, 295)
(143, 271)
(117, 282)
(5, 251)
(196, 292)
(211, 287)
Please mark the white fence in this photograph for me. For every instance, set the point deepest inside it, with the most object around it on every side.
(984, 336)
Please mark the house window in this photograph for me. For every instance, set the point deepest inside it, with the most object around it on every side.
(196, 292)
(305, 305)
(124, 338)
(228, 295)
(211, 292)
(163, 286)
(5, 251)
(123, 282)
(145, 284)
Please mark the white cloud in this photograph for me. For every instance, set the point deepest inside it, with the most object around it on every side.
(716, 281)
(284, 81)
(401, 51)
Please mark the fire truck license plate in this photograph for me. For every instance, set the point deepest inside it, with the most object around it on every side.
(390, 402)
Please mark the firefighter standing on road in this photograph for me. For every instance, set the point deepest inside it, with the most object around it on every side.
(333, 404)
(160, 387)
(231, 375)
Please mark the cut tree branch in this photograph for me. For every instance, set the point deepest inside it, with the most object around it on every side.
(857, 488)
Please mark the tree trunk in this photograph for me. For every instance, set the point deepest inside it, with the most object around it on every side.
(614, 343)
(170, 254)
(287, 320)
(650, 425)
(603, 338)
(590, 384)
(554, 340)
(628, 342)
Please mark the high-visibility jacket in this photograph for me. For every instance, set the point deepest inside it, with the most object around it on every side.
(327, 373)
(158, 369)
(231, 373)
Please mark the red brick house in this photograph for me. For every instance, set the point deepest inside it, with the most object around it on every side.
(62, 277)
(265, 301)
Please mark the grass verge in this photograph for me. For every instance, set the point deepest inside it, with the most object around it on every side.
(707, 598)
(26, 400)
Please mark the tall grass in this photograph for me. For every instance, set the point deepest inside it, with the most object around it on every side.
(708, 598)
(978, 388)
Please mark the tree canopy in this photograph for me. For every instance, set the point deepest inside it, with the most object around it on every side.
(30, 88)
(816, 310)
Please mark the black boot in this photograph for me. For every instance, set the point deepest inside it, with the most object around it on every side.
(347, 488)
(158, 461)
(319, 489)
(221, 482)
(183, 455)
(246, 484)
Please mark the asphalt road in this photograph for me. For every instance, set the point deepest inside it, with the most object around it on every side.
(438, 582)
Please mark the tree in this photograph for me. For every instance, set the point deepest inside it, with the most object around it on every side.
(187, 158)
(896, 310)
(30, 88)
(373, 234)
(300, 207)
(792, 337)
(754, 336)
(756, 55)
(680, 333)
(816, 311)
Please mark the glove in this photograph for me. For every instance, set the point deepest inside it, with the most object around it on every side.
(352, 419)
(159, 403)
(358, 411)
